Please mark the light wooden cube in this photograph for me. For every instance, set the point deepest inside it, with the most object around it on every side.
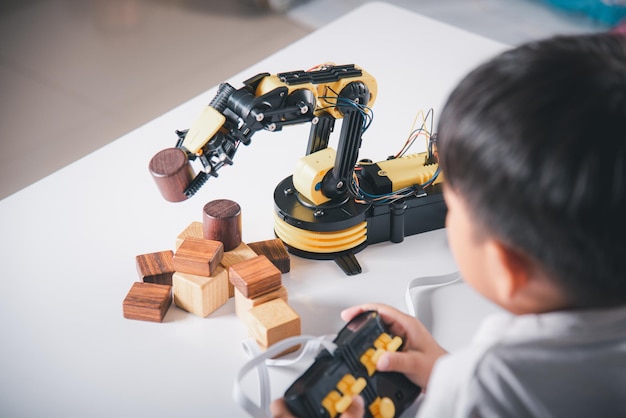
(244, 304)
(193, 230)
(255, 276)
(200, 295)
(272, 322)
(198, 256)
(241, 253)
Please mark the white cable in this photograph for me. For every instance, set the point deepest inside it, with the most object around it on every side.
(427, 283)
(260, 361)
(253, 351)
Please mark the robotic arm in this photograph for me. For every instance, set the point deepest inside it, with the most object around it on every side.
(332, 206)
(270, 102)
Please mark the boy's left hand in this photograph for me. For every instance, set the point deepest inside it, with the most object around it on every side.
(420, 351)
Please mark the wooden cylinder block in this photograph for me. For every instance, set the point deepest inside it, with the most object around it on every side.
(172, 173)
(221, 221)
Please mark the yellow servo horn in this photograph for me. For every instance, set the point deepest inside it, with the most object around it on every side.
(339, 400)
(382, 408)
(383, 343)
(330, 401)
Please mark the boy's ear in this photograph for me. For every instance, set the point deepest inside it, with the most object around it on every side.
(510, 270)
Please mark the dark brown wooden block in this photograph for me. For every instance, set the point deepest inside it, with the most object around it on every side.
(198, 256)
(275, 251)
(172, 173)
(221, 221)
(255, 276)
(147, 301)
(156, 267)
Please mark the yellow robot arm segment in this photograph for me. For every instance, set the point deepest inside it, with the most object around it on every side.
(408, 171)
(326, 89)
(328, 93)
(309, 173)
(206, 125)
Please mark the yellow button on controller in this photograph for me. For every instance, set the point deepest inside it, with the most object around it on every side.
(382, 408)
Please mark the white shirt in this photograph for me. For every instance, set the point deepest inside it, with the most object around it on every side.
(559, 364)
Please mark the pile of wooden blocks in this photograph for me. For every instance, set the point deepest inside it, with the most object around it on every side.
(200, 276)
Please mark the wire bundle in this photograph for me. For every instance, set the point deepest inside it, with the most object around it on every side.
(361, 196)
(336, 101)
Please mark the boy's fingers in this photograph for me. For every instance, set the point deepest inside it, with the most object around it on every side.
(356, 408)
(398, 322)
(407, 363)
(414, 365)
(389, 314)
(349, 313)
(278, 409)
(396, 362)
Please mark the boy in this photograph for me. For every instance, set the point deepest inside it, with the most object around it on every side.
(533, 147)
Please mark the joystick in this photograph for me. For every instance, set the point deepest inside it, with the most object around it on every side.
(326, 388)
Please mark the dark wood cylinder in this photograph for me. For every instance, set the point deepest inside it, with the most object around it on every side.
(221, 221)
(172, 173)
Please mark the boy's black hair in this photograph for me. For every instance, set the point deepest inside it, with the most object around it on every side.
(534, 141)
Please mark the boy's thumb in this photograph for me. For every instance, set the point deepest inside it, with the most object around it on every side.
(409, 363)
(391, 361)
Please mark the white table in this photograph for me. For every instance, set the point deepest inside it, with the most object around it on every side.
(69, 242)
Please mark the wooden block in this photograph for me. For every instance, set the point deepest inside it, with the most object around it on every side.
(200, 295)
(255, 276)
(241, 253)
(198, 256)
(193, 230)
(147, 301)
(244, 304)
(156, 267)
(273, 321)
(172, 173)
(275, 251)
(221, 221)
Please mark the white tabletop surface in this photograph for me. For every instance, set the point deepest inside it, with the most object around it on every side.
(69, 242)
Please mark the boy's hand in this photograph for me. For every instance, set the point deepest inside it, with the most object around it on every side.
(420, 349)
(416, 361)
(278, 408)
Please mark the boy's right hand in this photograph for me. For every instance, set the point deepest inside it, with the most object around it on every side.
(420, 351)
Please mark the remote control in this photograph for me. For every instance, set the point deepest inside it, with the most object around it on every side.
(326, 388)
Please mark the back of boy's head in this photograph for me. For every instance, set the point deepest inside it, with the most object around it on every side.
(534, 141)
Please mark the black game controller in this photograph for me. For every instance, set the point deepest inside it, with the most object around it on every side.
(326, 388)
